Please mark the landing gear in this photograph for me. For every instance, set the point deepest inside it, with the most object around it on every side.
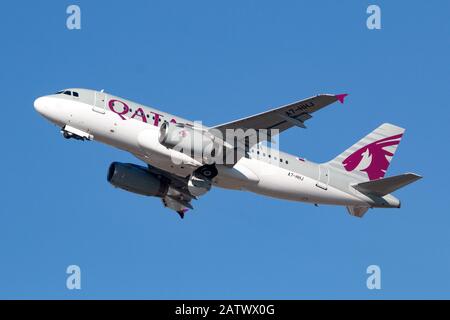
(209, 171)
(69, 135)
(66, 134)
(73, 133)
(201, 180)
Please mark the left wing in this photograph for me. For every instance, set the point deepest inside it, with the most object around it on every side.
(175, 204)
(177, 197)
(181, 191)
(285, 117)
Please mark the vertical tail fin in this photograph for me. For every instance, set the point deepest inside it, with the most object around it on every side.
(369, 158)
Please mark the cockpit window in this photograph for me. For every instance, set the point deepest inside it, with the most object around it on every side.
(69, 93)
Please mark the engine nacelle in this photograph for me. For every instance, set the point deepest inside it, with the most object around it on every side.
(136, 179)
(191, 141)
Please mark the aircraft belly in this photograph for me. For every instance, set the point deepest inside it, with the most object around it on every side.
(238, 177)
(280, 183)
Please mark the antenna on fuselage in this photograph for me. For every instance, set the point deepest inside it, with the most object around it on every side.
(103, 90)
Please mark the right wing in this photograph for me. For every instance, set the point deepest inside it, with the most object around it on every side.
(267, 124)
(285, 117)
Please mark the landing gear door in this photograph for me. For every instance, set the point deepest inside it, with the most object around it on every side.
(99, 102)
(324, 178)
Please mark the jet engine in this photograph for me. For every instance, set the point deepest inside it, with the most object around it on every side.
(194, 142)
(136, 179)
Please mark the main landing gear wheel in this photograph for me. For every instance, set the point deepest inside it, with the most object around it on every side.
(209, 171)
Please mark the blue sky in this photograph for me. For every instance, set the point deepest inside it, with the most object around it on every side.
(217, 61)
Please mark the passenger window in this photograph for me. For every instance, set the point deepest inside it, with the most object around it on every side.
(287, 162)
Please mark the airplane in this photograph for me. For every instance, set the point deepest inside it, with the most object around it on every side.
(179, 171)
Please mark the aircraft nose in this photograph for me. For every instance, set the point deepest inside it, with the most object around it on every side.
(40, 104)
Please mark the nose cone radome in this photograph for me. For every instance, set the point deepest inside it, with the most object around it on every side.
(46, 107)
(40, 105)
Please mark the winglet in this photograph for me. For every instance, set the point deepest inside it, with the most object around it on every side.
(341, 97)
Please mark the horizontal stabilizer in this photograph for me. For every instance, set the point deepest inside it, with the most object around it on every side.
(382, 187)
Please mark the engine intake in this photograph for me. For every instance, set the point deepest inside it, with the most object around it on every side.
(136, 179)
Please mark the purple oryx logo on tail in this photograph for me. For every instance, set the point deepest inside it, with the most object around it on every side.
(372, 158)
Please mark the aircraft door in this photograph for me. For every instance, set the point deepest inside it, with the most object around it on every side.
(99, 102)
(324, 178)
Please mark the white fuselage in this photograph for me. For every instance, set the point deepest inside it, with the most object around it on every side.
(103, 117)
